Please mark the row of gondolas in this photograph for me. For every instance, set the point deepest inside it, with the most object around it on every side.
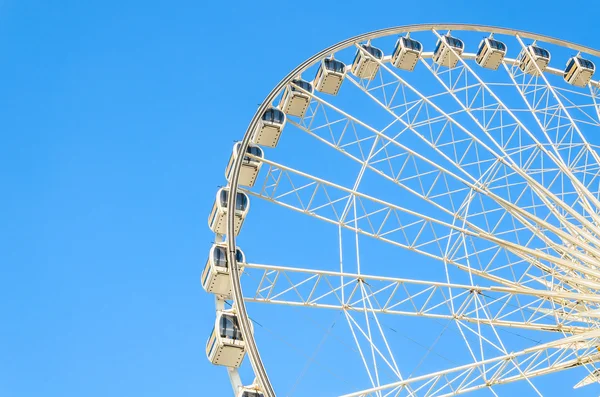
(225, 345)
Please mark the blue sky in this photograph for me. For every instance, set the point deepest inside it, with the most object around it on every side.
(117, 121)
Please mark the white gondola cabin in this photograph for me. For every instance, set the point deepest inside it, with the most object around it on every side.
(406, 53)
(250, 165)
(215, 277)
(491, 53)
(531, 56)
(269, 128)
(448, 51)
(579, 71)
(294, 101)
(225, 345)
(218, 216)
(330, 76)
(365, 66)
(250, 392)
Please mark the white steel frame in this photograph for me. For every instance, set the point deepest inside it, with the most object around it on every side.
(568, 230)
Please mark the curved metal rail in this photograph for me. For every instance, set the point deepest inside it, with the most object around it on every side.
(252, 349)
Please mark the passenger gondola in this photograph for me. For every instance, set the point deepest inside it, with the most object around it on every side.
(579, 71)
(406, 53)
(531, 56)
(250, 165)
(294, 101)
(330, 76)
(225, 345)
(269, 128)
(491, 53)
(365, 66)
(215, 277)
(250, 392)
(448, 51)
(218, 216)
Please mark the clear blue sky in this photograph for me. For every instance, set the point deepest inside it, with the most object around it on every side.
(117, 120)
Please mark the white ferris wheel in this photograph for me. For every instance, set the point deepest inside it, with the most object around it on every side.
(434, 192)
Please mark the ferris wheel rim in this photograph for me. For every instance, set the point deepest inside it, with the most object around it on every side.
(236, 291)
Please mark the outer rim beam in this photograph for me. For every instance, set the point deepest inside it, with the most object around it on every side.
(245, 326)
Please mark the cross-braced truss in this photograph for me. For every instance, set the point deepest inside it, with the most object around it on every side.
(486, 175)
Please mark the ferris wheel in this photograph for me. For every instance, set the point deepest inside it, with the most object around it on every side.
(427, 199)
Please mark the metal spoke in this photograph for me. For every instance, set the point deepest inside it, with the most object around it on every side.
(541, 360)
(396, 296)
